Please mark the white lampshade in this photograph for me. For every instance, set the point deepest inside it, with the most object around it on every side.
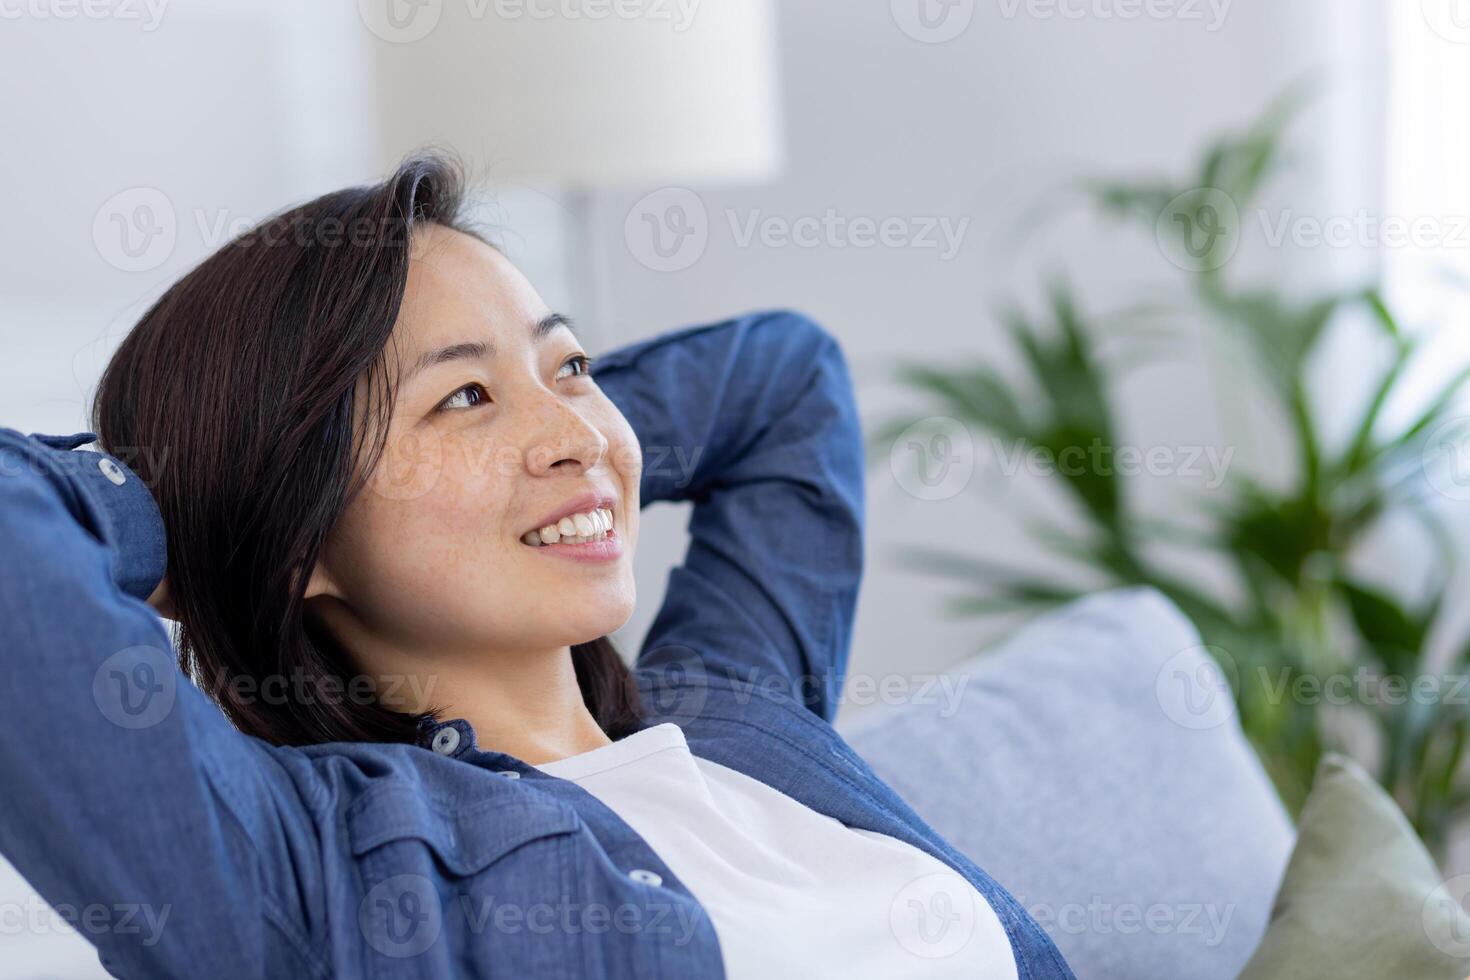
(587, 93)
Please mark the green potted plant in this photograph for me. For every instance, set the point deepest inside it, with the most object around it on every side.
(1296, 615)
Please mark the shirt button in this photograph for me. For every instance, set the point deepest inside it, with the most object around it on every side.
(447, 740)
(646, 877)
(508, 773)
(112, 471)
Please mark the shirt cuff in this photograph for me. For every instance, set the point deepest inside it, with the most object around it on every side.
(109, 499)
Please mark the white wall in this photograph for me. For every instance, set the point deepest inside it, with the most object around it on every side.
(986, 127)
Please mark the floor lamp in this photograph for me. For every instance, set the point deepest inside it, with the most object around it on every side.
(580, 97)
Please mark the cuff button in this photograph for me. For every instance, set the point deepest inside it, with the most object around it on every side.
(112, 471)
(446, 740)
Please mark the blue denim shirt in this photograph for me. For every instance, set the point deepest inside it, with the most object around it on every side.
(181, 847)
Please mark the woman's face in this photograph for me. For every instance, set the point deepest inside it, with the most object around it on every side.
(497, 429)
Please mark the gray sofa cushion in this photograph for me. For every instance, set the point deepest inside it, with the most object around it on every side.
(1088, 765)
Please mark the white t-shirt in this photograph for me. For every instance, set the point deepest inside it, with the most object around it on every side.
(790, 891)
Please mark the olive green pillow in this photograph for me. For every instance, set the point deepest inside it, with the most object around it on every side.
(1361, 898)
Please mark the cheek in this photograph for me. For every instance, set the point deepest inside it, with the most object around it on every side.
(407, 556)
(624, 453)
(428, 483)
(459, 531)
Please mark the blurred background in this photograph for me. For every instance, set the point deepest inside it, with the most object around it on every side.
(1153, 291)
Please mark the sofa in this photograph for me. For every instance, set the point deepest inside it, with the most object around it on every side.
(1088, 766)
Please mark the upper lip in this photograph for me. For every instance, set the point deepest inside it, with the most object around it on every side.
(577, 505)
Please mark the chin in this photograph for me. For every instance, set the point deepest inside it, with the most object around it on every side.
(578, 615)
(604, 616)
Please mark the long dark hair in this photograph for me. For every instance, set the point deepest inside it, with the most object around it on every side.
(234, 399)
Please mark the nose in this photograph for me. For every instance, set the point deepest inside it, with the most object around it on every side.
(564, 439)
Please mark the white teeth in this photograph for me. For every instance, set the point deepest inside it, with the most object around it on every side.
(576, 529)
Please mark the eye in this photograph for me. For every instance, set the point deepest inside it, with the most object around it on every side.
(473, 394)
(470, 396)
(580, 359)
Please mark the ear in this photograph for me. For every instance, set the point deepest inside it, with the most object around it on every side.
(322, 583)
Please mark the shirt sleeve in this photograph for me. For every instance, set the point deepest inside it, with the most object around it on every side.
(130, 799)
(754, 421)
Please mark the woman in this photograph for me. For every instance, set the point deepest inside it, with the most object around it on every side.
(401, 514)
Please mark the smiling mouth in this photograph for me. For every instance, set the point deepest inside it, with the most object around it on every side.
(583, 528)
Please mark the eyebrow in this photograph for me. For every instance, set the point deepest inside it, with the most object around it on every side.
(478, 349)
